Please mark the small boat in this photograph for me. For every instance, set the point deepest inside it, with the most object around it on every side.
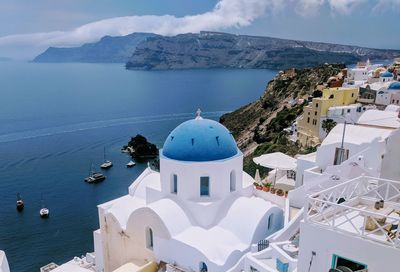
(94, 177)
(44, 212)
(20, 203)
(107, 163)
(130, 164)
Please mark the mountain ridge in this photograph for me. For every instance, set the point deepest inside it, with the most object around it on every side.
(147, 51)
(107, 50)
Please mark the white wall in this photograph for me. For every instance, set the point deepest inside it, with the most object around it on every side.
(383, 98)
(98, 250)
(390, 163)
(3, 262)
(302, 165)
(325, 243)
(189, 174)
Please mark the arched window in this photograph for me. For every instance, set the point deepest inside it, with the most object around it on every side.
(233, 181)
(174, 183)
(149, 238)
(270, 221)
(203, 267)
(204, 186)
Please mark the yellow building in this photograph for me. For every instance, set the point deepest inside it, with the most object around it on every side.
(309, 127)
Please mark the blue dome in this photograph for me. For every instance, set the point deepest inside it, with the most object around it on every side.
(386, 74)
(200, 140)
(394, 86)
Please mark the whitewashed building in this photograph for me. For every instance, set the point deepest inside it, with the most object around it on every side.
(199, 213)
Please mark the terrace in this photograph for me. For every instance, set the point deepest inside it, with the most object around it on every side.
(365, 206)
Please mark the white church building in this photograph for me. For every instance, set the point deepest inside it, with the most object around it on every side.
(199, 213)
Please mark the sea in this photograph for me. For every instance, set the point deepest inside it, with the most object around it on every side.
(56, 120)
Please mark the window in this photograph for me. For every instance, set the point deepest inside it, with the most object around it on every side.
(316, 113)
(347, 264)
(291, 174)
(352, 94)
(308, 119)
(174, 184)
(314, 122)
(270, 221)
(204, 186)
(316, 105)
(233, 181)
(331, 96)
(149, 238)
(348, 110)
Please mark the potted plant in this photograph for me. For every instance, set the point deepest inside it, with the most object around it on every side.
(267, 187)
(273, 190)
(258, 186)
(286, 193)
(280, 192)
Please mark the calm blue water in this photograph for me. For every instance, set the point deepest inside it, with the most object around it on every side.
(55, 120)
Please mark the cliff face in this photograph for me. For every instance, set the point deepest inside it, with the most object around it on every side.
(221, 50)
(258, 127)
(107, 50)
(145, 51)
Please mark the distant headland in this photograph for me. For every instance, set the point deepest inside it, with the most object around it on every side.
(146, 51)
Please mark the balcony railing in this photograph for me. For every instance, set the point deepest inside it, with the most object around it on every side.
(349, 207)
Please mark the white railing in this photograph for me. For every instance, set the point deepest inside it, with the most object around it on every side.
(346, 203)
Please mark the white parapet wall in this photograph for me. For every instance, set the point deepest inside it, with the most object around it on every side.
(3, 262)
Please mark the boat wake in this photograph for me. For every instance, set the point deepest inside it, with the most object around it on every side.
(23, 135)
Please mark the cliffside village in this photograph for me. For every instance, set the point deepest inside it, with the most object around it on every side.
(334, 210)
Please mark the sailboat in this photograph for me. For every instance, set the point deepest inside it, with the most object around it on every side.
(107, 163)
(20, 203)
(44, 212)
(94, 177)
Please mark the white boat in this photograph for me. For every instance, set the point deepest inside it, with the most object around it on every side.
(94, 177)
(44, 212)
(107, 163)
(130, 164)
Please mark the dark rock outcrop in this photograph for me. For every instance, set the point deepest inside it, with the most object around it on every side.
(140, 148)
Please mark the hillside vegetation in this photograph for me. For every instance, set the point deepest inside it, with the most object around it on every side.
(259, 126)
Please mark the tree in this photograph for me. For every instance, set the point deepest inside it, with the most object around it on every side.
(328, 125)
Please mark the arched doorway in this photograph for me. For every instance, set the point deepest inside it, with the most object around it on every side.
(203, 267)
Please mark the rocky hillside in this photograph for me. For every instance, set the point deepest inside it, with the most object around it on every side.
(222, 50)
(107, 50)
(258, 127)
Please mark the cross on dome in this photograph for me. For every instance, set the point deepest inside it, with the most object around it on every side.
(198, 114)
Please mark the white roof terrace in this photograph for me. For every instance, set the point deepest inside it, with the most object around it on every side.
(349, 208)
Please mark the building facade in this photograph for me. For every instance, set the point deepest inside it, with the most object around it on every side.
(310, 123)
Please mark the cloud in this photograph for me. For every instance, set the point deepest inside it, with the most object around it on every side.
(226, 14)
(341, 7)
(384, 5)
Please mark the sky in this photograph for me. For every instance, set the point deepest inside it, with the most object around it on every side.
(28, 27)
